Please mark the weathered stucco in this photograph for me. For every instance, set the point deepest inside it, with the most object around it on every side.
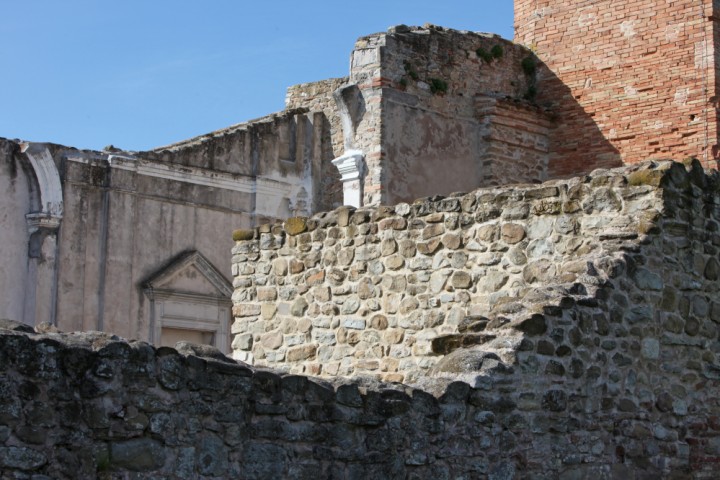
(429, 98)
(15, 201)
(127, 215)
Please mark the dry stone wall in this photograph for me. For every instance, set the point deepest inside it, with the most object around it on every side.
(584, 307)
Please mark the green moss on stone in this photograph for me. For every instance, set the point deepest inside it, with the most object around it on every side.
(241, 234)
(646, 177)
(296, 225)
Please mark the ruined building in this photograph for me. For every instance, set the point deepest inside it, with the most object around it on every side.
(477, 248)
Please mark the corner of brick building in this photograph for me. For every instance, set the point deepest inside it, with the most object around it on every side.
(627, 82)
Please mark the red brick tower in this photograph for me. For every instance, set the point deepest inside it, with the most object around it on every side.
(630, 81)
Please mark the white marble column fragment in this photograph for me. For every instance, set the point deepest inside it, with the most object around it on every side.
(352, 169)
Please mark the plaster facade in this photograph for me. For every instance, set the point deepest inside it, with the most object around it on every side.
(85, 233)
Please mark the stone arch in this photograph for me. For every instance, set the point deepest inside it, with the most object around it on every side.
(48, 179)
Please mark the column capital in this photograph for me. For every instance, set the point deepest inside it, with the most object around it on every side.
(351, 166)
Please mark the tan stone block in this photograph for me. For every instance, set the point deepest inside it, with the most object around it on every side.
(461, 279)
(331, 368)
(390, 364)
(314, 278)
(434, 218)
(379, 322)
(266, 294)
(394, 262)
(271, 340)
(429, 248)
(280, 266)
(388, 247)
(393, 377)
(296, 266)
(407, 248)
(302, 352)
(368, 364)
(433, 231)
(393, 336)
(452, 241)
(512, 233)
(321, 294)
(304, 325)
(267, 310)
(246, 310)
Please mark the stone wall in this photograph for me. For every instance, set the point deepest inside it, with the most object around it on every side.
(628, 83)
(595, 296)
(599, 359)
(387, 292)
(442, 110)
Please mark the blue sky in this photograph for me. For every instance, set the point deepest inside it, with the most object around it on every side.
(143, 73)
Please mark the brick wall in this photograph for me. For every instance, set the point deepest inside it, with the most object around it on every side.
(629, 80)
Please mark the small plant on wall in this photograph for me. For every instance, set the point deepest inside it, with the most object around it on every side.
(495, 53)
(529, 66)
(438, 86)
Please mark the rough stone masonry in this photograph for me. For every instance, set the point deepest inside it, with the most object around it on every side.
(597, 356)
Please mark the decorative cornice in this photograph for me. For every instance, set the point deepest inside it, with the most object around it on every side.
(42, 221)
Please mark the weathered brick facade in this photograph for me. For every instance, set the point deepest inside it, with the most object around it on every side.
(631, 80)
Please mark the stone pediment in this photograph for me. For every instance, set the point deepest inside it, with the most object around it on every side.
(190, 273)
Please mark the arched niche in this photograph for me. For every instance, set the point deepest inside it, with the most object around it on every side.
(31, 208)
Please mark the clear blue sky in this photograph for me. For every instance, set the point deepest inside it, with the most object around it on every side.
(144, 73)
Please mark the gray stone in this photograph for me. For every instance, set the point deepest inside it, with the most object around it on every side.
(137, 455)
(461, 279)
(354, 323)
(647, 280)
(438, 280)
(22, 458)
(350, 305)
(211, 456)
(243, 342)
